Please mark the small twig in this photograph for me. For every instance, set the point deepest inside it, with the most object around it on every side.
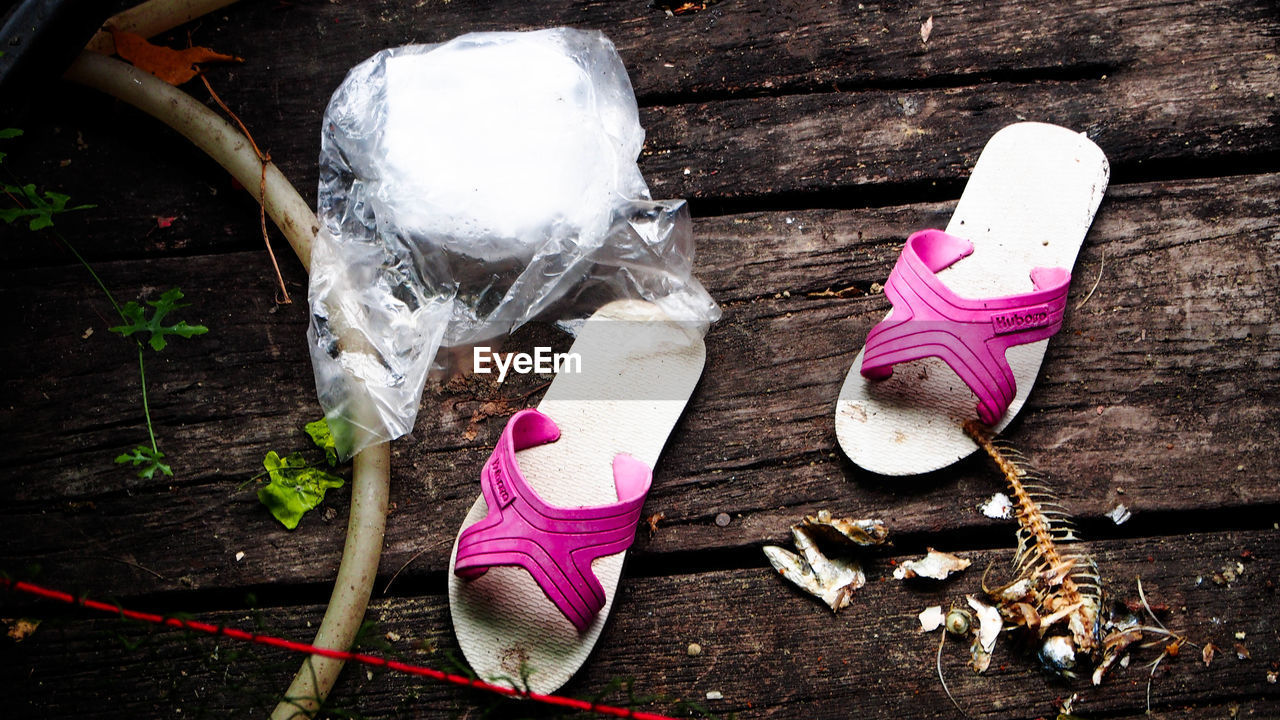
(146, 406)
(215, 136)
(1101, 264)
(1147, 606)
(16, 200)
(406, 564)
(841, 293)
(132, 564)
(1178, 641)
(255, 478)
(525, 397)
(1151, 678)
(264, 158)
(1164, 635)
(941, 679)
(92, 273)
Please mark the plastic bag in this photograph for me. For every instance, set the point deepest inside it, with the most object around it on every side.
(467, 188)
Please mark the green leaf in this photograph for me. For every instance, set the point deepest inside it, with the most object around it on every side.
(10, 133)
(148, 459)
(323, 438)
(57, 200)
(135, 315)
(42, 206)
(296, 486)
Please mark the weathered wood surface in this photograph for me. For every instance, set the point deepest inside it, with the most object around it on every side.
(1128, 409)
(767, 101)
(816, 137)
(807, 662)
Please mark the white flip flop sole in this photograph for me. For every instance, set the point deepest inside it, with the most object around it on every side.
(1028, 203)
(638, 370)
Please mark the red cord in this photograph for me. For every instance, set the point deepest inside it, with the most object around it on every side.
(583, 705)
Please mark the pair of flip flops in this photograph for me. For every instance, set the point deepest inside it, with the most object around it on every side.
(536, 565)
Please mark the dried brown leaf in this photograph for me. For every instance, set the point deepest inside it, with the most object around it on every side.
(21, 628)
(846, 530)
(926, 29)
(935, 565)
(172, 66)
(989, 623)
(833, 579)
(653, 520)
(1114, 646)
(1207, 653)
(1022, 614)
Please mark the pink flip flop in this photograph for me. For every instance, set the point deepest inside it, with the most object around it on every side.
(974, 306)
(536, 565)
(970, 336)
(556, 546)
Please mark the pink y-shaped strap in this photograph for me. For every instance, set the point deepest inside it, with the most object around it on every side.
(555, 545)
(969, 335)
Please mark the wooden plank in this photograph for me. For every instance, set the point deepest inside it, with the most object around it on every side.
(1185, 88)
(849, 146)
(754, 47)
(741, 47)
(1159, 394)
(870, 658)
(1184, 396)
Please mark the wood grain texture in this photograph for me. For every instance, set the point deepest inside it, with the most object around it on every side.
(808, 662)
(1129, 407)
(863, 115)
(811, 139)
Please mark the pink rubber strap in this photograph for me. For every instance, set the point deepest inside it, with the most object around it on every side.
(971, 336)
(554, 545)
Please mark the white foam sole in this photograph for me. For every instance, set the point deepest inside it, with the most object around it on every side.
(638, 371)
(1029, 203)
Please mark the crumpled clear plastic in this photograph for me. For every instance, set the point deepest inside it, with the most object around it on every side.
(467, 188)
